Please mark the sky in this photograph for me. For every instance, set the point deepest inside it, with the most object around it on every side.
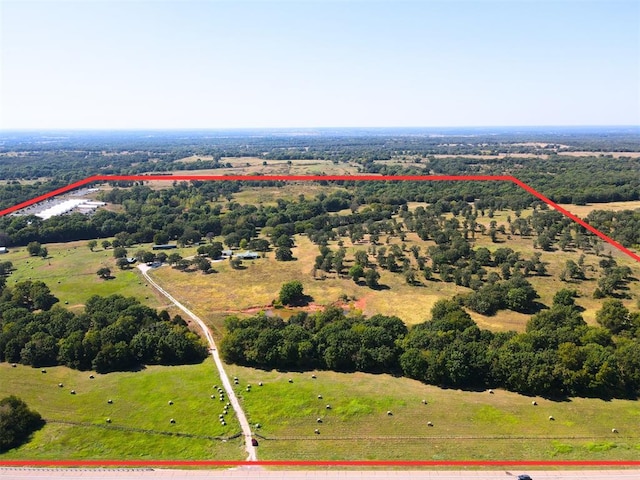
(219, 64)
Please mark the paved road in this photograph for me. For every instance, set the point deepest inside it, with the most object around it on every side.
(119, 474)
(242, 418)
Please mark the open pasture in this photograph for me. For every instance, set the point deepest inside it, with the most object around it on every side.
(140, 413)
(70, 272)
(380, 417)
(255, 165)
(584, 210)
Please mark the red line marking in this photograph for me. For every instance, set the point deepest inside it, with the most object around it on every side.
(319, 463)
(322, 463)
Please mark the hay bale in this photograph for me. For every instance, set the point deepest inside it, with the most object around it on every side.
(313, 376)
(424, 402)
(172, 421)
(614, 430)
(109, 401)
(14, 365)
(534, 403)
(389, 413)
(43, 371)
(551, 417)
(316, 431)
(212, 397)
(170, 402)
(60, 385)
(319, 397)
(491, 391)
(73, 392)
(108, 420)
(258, 425)
(429, 424)
(91, 377)
(291, 380)
(318, 420)
(328, 407)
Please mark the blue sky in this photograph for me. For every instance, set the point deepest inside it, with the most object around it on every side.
(235, 64)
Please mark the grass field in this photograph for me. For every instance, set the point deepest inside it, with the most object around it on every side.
(256, 286)
(466, 425)
(70, 272)
(140, 414)
(584, 210)
(254, 165)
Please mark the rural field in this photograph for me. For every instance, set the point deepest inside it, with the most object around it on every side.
(465, 424)
(140, 414)
(254, 165)
(70, 272)
(254, 287)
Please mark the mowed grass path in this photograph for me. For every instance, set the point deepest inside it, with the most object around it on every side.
(140, 414)
(466, 425)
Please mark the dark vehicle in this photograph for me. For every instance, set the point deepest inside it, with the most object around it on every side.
(524, 477)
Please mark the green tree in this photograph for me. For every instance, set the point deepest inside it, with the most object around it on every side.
(119, 252)
(160, 238)
(92, 244)
(356, 272)
(34, 248)
(362, 258)
(33, 295)
(615, 317)
(291, 292)
(284, 254)
(106, 244)
(565, 297)
(17, 422)
(104, 273)
(371, 278)
(174, 258)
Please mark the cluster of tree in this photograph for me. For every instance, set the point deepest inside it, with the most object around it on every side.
(623, 226)
(113, 333)
(17, 422)
(5, 270)
(515, 294)
(558, 355)
(327, 340)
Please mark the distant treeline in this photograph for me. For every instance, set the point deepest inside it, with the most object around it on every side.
(600, 178)
(558, 355)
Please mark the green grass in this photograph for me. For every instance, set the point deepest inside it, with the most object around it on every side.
(466, 425)
(140, 402)
(70, 272)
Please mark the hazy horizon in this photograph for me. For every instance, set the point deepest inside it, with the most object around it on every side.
(286, 64)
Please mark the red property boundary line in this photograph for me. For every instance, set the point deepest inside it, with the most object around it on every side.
(369, 178)
(320, 463)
